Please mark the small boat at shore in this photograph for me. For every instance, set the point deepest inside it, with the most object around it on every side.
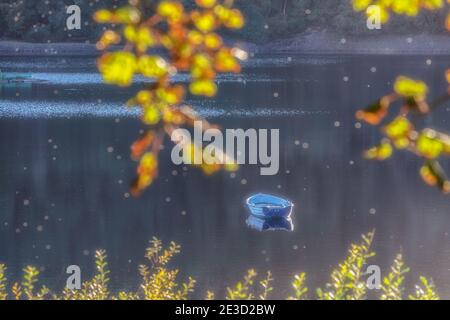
(268, 206)
(269, 213)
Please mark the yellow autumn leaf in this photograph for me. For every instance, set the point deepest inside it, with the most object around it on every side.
(152, 66)
(130, 33)
(127, 15)
(398, 128)
(360, 5)
(222, 12)
(428, 145)
(195, 37)
(108, 38)
(203, 88)
(171, 10)
(201, 66)
(142, 37)
(224, 61)
(202, 61)
(147, 171)
(235, 20)
(118, 67)
(398, 131)
(432, 4)
(407, 87)
(144, 97)
(206, 3)
(385, 3)
(171, 116)
(172, 95)
(151, 115)
(204, 21)
(401, 143)
(381, 152)
(149, 161)
(144, 181)
(103, 16)
(407, 7)
(212, 41)
(402, 7)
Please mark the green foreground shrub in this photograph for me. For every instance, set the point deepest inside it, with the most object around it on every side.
(159, 282)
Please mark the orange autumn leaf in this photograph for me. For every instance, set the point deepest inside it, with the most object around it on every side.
(433, 175)
(224, 61)
(447, 76)
(108, 38)
(374, 113)
(140, 146)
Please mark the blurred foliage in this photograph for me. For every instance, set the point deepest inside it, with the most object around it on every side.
(298, 284)
(97, 287)
(243, 289)
(347, 281)
(392, 286)
(424, 291)
(3, 289)
(43, 20)
(159, 282)
(401, 132)
(401, 7)
(158, 46)
(266, 285)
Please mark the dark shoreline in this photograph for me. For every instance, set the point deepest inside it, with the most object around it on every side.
(310, 43)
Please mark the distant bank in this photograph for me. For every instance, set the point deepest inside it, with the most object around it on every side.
(328, 43)
(15, 48)
(307, 43)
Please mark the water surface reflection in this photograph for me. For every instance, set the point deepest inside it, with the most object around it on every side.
(65, 171)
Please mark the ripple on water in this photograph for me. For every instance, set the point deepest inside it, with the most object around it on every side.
(96, 78)
(52, 109)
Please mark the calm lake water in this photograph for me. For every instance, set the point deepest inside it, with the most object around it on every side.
(65, 172)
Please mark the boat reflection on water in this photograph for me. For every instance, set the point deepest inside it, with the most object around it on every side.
(268, 212)
(270, 224)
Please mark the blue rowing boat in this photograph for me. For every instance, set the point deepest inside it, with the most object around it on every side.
(268, 206)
